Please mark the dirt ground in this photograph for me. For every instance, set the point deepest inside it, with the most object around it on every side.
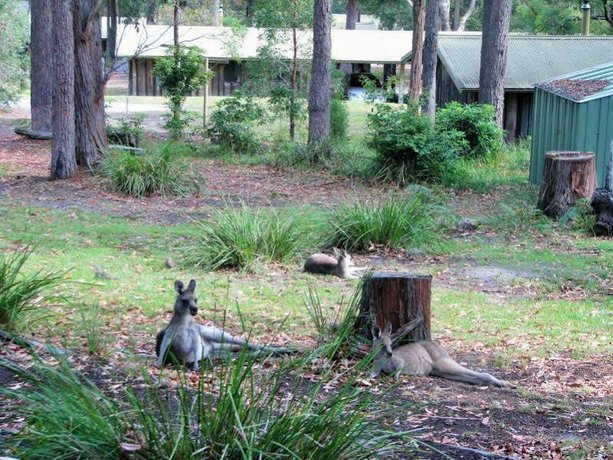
(562, 409)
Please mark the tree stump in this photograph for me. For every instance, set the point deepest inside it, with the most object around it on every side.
(396, 299)
(567, 177)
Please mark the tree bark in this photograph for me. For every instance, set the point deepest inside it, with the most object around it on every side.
(496, 21)
(352, 14)
(396, 299)
(430, 58)
(41, 59)
(320, 91)
(175, 23)
(216, 17)
(444, 10)
(91, 140)
(249, 13)
(567, 177)
(602, 202)
(419, 17)
(111, 35)
(63, 161)
(152, 7)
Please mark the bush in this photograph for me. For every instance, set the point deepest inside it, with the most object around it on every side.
(477, 125)
(395, 222)
(409, 148)
(158, 171)
(129, 130)
(231, 124)
(339, 120)
(23, 296)
(240, 238)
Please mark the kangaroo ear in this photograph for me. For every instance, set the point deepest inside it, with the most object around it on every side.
(388, 329)
(375, 331)
(191, 287)
(179, 287)
(336, 251)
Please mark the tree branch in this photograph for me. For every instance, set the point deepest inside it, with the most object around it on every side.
(469, 11)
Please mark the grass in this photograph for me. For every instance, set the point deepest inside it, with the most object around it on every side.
(237, 412)
(24, 297)
(160, 170)
(241, 238)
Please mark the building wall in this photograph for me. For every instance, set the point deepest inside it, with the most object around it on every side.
(561, 124)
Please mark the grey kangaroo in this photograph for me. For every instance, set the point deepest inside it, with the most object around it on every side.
(188, 342)
(424, 358)
(326, 265)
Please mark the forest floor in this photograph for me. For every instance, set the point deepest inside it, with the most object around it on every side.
(563, 406)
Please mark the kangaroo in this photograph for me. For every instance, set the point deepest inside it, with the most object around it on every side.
(188, 342)
(424, 358)
(326, 265)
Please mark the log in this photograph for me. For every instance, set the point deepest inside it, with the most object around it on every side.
(602, 202)
(34, 134)
(397, 299)
(567, 177)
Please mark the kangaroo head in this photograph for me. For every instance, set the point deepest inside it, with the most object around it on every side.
(186, 302)
(383, 338)
(342, 257)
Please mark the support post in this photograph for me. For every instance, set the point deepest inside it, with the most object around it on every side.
(205, 95)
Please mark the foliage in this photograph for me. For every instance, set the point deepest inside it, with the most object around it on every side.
(395, 222)
(159, 170)
(24, 296)
(580, 217)
(241, 238)
(409, 148)
(477, 125)
(392, 14)
(14, 59)
(250, 416)
(339, 120)
(231, 124)
(129, 129)
(180, 72)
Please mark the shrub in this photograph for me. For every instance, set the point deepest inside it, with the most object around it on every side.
(231, 124)
(23, 296)
(129, 130)
(339, 120)
(476, 123)
(158, 171)
(395, 222)
(409, 148)
(249, 416)
(580, 217)
(239, 238)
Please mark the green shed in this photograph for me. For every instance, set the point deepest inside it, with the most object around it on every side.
(574, 112)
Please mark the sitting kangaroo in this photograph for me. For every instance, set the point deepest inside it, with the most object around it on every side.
(326, 265)
(188, 342)
(424, 358)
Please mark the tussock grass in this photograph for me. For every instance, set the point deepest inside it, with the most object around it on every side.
(243, 237)
(24, 296)
(395, 222)
(161, 170)
(248, 415)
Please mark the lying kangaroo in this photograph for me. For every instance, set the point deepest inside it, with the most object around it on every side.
(188, 342)
(326, 265)
(424, 358)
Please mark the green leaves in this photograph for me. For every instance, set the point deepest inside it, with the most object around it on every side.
(14, 58)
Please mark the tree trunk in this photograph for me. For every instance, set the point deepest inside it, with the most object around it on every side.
(175, 23)
(152, 7)
(352, 14)
(249, 13)
(63, 161)
(111, 35)
(91, 138)
(419, 19)
(460, 22)
(216, 17)
(294, 85)
(41, 58)
(320, 91)
(430, 57)
(396, 299)
(602, 203)
(567, 177)
(444, 10)
(496, 21)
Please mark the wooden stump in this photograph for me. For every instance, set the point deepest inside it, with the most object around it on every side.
(567, 177)
(602, 202)
(396, 299)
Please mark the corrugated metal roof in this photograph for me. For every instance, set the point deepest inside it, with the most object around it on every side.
(584, 85)
(530, 58)
(223, 43)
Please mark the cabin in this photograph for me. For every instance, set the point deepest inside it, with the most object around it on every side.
(530, 59)
(227, 49)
